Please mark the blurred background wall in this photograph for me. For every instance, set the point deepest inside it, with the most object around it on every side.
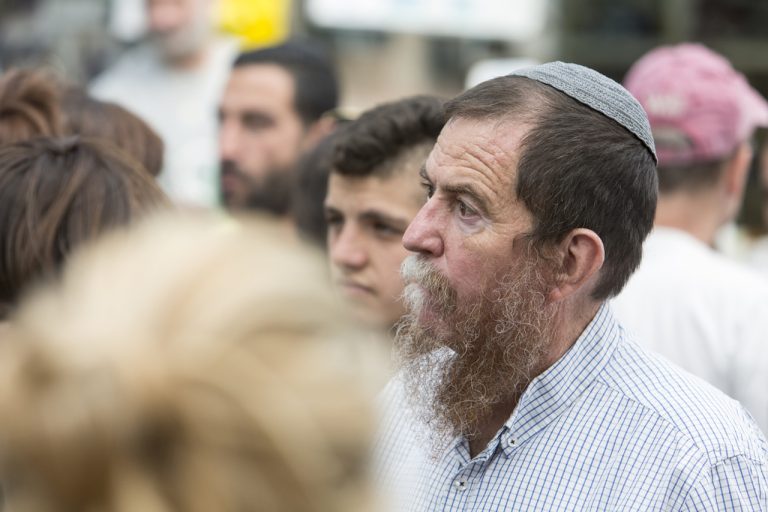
(389, 48)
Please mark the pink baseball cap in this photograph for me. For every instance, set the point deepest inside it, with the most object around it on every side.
(699, 107)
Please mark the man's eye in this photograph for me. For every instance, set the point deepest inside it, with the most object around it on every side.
(428, 188)
(386, 230)
(464, 210)
(257, 122)
(333, 219)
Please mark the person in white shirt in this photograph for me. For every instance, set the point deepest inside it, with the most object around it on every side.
(174, 81)
(693, 305)
(756, 253)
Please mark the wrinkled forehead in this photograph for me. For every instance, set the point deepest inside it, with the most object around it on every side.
(479, 159)
(494, 142)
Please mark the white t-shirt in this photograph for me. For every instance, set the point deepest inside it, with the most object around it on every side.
(181, 106)
(757, 257)
(704, 312)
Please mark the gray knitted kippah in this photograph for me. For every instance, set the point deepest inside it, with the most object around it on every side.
(598, 92)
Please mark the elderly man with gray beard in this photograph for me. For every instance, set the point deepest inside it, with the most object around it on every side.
(517, 388)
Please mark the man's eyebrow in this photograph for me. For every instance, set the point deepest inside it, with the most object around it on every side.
(467, 189)
(255, 114)
(377, 216)
(459, 188)
(330, 209)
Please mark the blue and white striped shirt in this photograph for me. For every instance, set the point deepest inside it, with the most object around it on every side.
(608, 427)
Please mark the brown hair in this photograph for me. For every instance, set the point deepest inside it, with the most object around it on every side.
(382, 133)
(29, 105)
(86, 116)
(692, 177)
(577, 169)
(187, 365)
(316, 89)
(55, 194)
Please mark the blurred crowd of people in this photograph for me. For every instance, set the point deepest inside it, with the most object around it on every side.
(220, 291)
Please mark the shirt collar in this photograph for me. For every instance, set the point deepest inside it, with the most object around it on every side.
(553, 392)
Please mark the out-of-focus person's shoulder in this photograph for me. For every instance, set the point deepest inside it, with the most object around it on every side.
(757, 257)
(123, 74)
(681, 278)
(680, 256)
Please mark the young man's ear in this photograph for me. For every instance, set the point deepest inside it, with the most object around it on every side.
(734, 179)
(737, 168)
(580, 256)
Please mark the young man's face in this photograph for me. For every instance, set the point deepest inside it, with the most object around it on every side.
(261, 136)
(367, 217)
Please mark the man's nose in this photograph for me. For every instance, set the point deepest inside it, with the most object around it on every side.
(228, 142)
(347, 250)
(423, 234)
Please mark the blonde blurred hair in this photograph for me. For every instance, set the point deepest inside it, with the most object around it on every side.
(186, 365)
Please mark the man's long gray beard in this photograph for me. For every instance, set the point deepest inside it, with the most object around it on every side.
(472, 357)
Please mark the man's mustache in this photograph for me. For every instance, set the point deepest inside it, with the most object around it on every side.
(230, 168)
(416, 270)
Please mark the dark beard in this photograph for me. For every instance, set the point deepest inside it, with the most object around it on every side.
(272, 193)
(473, 356)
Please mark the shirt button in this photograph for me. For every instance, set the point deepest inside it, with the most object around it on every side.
(511, 442)
(460, 484)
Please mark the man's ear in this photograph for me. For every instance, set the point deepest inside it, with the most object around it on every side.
(580, 256)
(735, 178)
(317, 131)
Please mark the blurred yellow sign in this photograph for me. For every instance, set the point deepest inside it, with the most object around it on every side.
(256, 22)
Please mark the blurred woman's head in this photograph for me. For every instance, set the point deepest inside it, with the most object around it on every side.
(29, 105)
(55, 194)
(89, 117)
(187, 365)
(37, 103)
